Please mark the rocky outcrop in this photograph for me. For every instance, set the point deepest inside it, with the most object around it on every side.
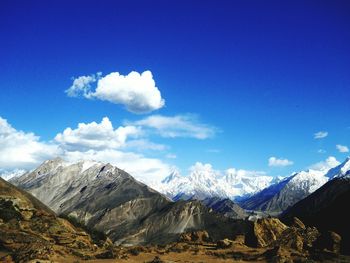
(264, 232)
(325, 209)
(29, 230)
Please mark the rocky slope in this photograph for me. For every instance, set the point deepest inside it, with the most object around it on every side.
(326, 207)
(226, 207)
(108, 199)
(30, 230)
(278, 197)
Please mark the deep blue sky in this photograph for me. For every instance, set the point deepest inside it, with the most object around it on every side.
(268, 74)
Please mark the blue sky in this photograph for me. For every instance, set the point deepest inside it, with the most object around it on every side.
(263, 76)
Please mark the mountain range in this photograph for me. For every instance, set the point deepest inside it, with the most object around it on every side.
(204, 183)
(108, 199)
(282, 195)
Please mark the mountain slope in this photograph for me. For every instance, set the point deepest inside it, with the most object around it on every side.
(108, 199)
(30, 230)
(325, 208)
(226, 207)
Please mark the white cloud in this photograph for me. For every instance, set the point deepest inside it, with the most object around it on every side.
(137, 92)
(171, 156)
(342, 148)
(177, 126)
(321, 151)
(96, 136)
(320, 134)
(329, 163)
(22, 150)
(273, 161)
(244, 173)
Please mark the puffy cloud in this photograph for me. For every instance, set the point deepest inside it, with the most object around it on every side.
(22, 150)
(142, 168)
(177, 126)
(320, 134)
(273, 161)
(327, 164)
(342, 148)
(137, 92)
(96, 136)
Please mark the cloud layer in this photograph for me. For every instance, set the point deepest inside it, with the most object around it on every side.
(22, 150)
(137, 92)
(90, 141)
(96, 136)
(273, 161)
(177, 126)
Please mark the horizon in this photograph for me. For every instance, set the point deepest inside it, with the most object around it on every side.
(154, 87)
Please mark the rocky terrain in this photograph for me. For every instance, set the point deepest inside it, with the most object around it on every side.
(29, 230)
(327, 208)
(225, 207)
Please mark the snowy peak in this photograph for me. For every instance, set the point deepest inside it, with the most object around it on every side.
(203, 182)
(174, 176)
(7, 175)
(340, 170)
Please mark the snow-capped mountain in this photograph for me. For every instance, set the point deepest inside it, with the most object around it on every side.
(278, 197)
(7, 175)
(108, 199)
(203, 182)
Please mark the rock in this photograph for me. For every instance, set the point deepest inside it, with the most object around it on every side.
(225, 243)
(296, 222)
(156, 260)
(264, 232)
(330, 241)
(195, 236)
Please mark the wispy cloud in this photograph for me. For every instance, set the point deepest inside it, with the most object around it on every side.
(321, 151)
(171, 156)
(137, 92)
(342, 148)
(177, 126)
(273, 161)
(320, 134)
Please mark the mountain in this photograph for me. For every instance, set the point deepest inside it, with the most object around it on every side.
(278, 197)
(30, 230)
(108, 199)
(206, 183)
(7, 175)
(326, 207)
(226, 207)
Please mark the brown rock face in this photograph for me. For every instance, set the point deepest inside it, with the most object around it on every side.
(30, 230)
(264, 232)
(195, 236)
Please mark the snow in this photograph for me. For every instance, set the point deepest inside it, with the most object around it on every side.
(203, 182)
(7, 175)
